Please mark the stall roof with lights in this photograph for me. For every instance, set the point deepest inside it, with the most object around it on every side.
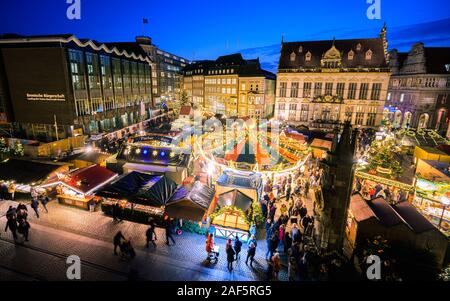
(28, 172)
(190, 202)
(84, 180)
(235, 198)
(141, 188)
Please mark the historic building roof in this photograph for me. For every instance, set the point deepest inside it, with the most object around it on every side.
(234, 63)
(351, 54)
(421, 60)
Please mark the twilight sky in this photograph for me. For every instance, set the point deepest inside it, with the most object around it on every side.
(204, 29)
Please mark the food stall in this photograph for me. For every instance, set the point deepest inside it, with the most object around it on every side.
(432, 196)
(140, 195)
(76, 188)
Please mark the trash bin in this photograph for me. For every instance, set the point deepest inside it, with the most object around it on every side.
(92, 207)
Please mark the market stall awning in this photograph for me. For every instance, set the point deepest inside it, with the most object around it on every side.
(235, 198)
(190, 202)
(84, 180)
(126, 186)
(27, 172)
(141, 188)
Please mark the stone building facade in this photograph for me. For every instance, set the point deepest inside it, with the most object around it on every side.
(419, 88)
(324, 83)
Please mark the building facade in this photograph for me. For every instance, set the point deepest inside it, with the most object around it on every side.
(55, 87)
(166, 73)
(231, 86)
(323, 83)
(419, 88)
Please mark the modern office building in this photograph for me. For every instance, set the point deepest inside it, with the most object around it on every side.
(231, 85)
(52, 87)
(419, 88)
(324, 83)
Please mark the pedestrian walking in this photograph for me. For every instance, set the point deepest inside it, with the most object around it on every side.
(35, 206)
(169, 230)
(276, 263)
(251, 253)
(151, 235)
(230, 254)
(237, 247)
(24, 228)
(12, 189)
(11, 224)
(44, 201)
(117, 241)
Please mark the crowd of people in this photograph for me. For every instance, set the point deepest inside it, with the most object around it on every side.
(17, 221)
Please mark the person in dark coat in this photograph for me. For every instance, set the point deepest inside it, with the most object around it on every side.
(230, 254)
(251, 253)
(303, 211)
(169, 230)
(114, 211)
(44, 201)
(24, 228)
(273, 244)
(150, 234)
(11, 224)
(117, 241)
(35, 206)
(237, 247)
(288, 192)
(287, 243)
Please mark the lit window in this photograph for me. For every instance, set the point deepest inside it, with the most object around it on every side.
(358, 47)
(389, 96)
(369, 54)
(350, 55)
(402, 97)
(308, 56)
(300, 49)
(292, 56)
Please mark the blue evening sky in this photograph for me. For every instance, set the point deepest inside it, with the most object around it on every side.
(202, 29)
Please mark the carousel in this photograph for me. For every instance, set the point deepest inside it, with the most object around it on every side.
(239, 159)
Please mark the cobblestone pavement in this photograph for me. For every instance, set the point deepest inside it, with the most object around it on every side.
(65, 231)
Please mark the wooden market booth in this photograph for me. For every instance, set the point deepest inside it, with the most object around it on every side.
(76, 188)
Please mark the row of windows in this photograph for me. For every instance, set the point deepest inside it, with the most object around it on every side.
(428, 82)
(329, 114)
(221, 71)
(317, 90)
(218, 81)
(113, 82)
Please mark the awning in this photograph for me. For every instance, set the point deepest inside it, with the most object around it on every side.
(235, 198)
(190, 202)
(141, 188)
(27, 172)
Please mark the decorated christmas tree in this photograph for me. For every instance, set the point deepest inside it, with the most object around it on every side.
(383, 158)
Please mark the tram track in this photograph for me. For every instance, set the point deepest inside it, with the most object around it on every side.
(62, 256)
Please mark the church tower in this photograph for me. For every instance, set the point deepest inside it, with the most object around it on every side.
(333, 197)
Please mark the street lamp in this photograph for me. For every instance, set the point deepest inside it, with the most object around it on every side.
(210, 171)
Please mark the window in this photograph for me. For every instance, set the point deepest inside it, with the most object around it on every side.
(228, 81)
(292, 56)
(300, 49)
(328, 88)
(369, 55)
(233, 90)
(294, 90)
(376, 89)
(359, 115)
(243, 86)
(308, 56)
(307, 89)
(350, 55)
(364, 88)
(317, 89)
(281, 106)
(233, 81)
(358, 47)
(371, 116)
(352, 90)
(402, 97)
(340, 89)
(224, 90)
(304, 112)
(348, 113)
(283, 87)
(389, 96)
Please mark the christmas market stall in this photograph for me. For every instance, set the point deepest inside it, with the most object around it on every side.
(28, 174)
(139, 195)
(190, 202)
(387, 173)
(432, 196)
(76, 188)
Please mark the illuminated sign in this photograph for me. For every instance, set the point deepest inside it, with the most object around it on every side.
(45, 97)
